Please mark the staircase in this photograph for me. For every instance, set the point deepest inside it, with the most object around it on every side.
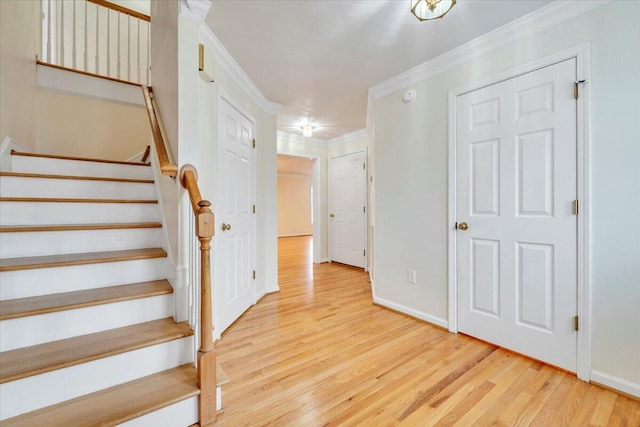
(87, 335)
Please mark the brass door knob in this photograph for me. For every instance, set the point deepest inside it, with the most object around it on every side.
(225, 227)
(463, 226)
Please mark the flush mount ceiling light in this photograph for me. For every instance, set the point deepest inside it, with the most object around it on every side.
(307, 131)
(426, 10)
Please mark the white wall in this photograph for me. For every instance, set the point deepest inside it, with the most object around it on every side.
(411, 180)
(294, 205)
(19, 45)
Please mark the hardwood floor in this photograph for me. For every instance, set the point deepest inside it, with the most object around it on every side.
(319, 353)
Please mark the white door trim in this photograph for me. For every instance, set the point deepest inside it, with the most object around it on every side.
(583, 66)
(366, 201)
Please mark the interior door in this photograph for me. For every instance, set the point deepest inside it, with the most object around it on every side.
(516, 237)
(235, 235)
(347, 218)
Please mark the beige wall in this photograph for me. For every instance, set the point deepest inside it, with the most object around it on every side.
(411, 142)
(80, 126)
(19, 44)
(294, 205)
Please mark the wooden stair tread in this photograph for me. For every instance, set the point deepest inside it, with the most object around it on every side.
(77, 227)
(72, 200)
(26, 263)
(74, 177)
(21, 307)
(81, 159)
(116, 405)
(33, 360)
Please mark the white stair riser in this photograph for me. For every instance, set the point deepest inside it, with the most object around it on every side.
(37, 213)
(181, 414)
(44, 165)
(43, 281)
(87, 320)
(28, 394)
(26, 244)
(72, 188)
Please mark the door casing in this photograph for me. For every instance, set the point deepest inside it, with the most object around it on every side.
(583, 65)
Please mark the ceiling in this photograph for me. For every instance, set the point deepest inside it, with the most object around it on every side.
(318, 58)
(294, 165)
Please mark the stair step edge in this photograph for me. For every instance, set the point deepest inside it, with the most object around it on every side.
(48, 261)
(118, 404)
(77, 227)
(29, 361)
(73, 200)
(32, 306)
(79, 159)
(75, 177)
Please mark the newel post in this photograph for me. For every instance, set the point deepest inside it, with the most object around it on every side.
(206, 354)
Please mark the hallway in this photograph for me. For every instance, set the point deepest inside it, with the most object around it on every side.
(320, 353)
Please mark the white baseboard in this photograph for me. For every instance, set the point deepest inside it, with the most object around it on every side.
(411, 312)
(295, 235)
(620, 384)
(323, 260)
(272, 289)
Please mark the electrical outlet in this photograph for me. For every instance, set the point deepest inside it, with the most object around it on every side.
(411, 276)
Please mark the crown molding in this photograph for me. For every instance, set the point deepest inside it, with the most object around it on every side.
(286, 137)
(534, 22)
(194, 10)
(224, 59)
(360, 133)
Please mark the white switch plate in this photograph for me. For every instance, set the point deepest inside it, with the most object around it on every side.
(411, 276)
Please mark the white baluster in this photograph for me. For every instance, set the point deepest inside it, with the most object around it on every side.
(61, 61)
(86, 37)
(108, 42)
(128, 47)
(97, 39)
(118, 74)
(148, 53)
(138, 54)
(73, 22)
(49, 25)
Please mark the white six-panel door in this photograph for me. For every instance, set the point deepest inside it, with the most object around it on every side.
(516, 187)
(347, 219)
(234, 289)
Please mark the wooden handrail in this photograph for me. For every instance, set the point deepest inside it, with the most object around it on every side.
(205, 230)
(145, 156)
(121, 9)
(166, 166)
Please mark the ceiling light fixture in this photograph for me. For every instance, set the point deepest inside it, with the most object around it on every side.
(307, 131)
(426, 10)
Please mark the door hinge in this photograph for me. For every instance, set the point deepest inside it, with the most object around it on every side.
(364, 209)
(254, 143)
(455, 226)
(575, 88)
(254, 208)
(575, 323)
(364, 252)
(363, 166)
(254, 275)
(576, 207)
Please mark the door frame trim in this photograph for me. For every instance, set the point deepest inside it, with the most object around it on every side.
(366, 201)
(582, 54)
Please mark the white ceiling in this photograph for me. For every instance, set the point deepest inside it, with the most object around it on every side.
(318, 58)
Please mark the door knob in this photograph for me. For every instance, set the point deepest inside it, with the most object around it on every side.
(331, 216)
(463, 226)
(225, 227)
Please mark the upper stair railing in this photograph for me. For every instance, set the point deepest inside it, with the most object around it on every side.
(96, 37)
(202, 227)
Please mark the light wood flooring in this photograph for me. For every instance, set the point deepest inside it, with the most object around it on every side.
(319, 353)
